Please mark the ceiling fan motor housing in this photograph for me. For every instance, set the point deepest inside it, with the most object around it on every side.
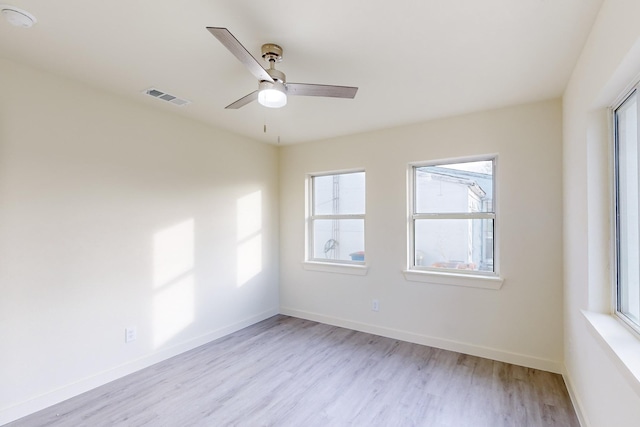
(272, 52)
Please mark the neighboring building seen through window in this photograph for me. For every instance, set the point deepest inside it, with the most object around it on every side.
(627, 200)
(336, 223)
(452, 218)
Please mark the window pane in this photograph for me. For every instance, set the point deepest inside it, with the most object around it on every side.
(462, 244)
(339, 194)
(628, 211)
(455, 188)
(338, 239)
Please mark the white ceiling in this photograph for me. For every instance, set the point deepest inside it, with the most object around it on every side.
(412, 60)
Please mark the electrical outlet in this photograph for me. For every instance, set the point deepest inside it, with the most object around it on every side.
(375, 305)
(130, 334)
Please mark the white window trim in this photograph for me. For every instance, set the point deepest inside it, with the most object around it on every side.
(613, 137)
(454, 279)
(335, 267)
(441, 276)
(622, 344)
(321, 264)
(611, 330)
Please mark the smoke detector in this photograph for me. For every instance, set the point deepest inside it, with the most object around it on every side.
(17, 17)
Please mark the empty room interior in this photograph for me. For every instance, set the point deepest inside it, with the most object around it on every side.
(449, 185)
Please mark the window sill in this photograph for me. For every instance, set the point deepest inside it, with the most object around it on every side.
(451, 279)
(623, 344)
(327, 267)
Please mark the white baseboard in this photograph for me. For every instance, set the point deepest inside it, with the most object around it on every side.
(575, 400)
(445, 344)
(68, 391)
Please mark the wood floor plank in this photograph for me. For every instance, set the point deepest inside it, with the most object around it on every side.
(286, 371)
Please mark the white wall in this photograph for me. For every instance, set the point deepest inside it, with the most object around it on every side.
(520, 323)
(606, 393)
(113, 214)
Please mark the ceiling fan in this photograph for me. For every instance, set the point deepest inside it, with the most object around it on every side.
(272, 84)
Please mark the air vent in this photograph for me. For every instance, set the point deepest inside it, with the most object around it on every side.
(167, 97)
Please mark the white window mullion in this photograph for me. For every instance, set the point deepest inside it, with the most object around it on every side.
(472, 215)
(348, 216)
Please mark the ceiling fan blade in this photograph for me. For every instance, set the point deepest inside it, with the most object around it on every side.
(234, 46)
(243, 101)
(305, 89)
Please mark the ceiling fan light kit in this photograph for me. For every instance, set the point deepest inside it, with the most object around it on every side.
(272, 84)
(272, 95)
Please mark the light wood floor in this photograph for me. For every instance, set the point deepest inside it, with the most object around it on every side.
(291, 372)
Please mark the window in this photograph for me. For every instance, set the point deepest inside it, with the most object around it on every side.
(627, 210)
(452, 217)
(336, 220)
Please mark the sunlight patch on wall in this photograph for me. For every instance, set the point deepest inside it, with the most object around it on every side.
(249, 259)
(173, 309)
(249, 215)
(249, 230)
(173, 263)
(172, 253)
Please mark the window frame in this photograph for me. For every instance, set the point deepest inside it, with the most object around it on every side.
(413, 216)
(312, 217)
(616, 229)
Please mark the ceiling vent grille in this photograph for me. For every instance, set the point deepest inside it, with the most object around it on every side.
(167, 97)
